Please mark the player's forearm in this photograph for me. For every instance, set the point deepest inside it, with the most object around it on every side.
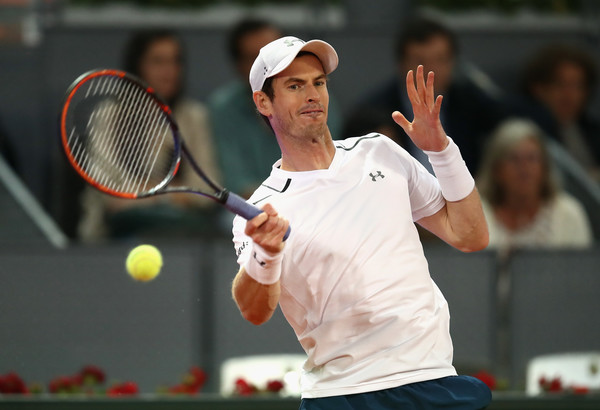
(463, 224)
(256, 301)
(467, 224)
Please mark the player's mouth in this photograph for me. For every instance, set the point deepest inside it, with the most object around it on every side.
(312, 112)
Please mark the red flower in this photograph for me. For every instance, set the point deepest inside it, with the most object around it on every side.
(123, 389)
(274, 386)
(195, 379)
(487, 378)
(12, 383)
(243, 388)
(554, 385)
(92, 375)
(192, 382)
(65, 384)
(580, 389)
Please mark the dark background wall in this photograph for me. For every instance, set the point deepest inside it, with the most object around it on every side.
(63, 309)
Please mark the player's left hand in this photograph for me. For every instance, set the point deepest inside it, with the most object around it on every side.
(426, 129)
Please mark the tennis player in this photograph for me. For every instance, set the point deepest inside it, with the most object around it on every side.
(352, 279)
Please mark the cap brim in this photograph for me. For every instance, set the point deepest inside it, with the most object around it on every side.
(325, 52)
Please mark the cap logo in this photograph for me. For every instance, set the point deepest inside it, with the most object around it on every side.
(290, 42)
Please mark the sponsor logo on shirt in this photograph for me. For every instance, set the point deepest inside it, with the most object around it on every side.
(374, 177)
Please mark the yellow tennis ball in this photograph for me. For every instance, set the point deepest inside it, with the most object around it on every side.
(144, 262)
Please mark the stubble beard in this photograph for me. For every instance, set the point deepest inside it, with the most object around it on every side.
(311, 132)
(315, 132)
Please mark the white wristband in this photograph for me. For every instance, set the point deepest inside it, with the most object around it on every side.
(452, 172)
(264, 267)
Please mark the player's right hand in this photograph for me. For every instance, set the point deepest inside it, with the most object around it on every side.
(267, 229)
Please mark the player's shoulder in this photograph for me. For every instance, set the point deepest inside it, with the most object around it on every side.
(269, 188)
(375, 143)
(361, 142)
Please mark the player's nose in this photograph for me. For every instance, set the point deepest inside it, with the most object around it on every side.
(312, 94)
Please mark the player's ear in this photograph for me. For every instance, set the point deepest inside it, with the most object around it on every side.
(262, 102)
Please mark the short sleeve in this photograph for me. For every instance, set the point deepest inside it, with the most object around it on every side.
(424, 191)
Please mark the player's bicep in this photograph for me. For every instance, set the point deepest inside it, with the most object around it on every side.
(437, 224)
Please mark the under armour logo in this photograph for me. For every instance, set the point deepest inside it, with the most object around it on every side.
(290, 42)
(378, 174)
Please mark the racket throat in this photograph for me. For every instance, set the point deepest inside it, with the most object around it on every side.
(222, 196)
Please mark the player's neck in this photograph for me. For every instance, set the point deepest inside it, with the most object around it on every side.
(307, 154)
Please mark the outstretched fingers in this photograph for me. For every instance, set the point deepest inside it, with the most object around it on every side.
(425, 130)
(421, 86)
(411, 90)
(438, 106)
(420, 90)
(430, 98)
(401, 120)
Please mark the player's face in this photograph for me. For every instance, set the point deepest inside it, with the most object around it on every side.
(301, 99)
(160, 67)
(435, 55)
(521, 172)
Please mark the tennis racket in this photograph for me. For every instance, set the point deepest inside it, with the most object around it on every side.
(120, 136)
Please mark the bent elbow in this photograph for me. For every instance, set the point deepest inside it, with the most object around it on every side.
(255, 318)
(476, 241)
(475, 247)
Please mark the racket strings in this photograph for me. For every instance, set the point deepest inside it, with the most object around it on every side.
(94, 157)
(120, 136)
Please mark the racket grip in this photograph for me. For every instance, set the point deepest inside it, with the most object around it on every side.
(239, 206)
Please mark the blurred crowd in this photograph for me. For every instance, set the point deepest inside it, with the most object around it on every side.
(504, 137)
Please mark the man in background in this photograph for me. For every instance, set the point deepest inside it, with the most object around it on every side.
(245, 145)
(472, 105)
(559, 81)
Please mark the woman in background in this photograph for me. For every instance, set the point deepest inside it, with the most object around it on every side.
(157, 57)
(522, 200)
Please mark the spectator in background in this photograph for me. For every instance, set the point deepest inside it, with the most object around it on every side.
(246, 145)
(522, 200)
(157, 57)
(471, 108)
(559, 80)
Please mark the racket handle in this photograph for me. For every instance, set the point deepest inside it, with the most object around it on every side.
(239, 206)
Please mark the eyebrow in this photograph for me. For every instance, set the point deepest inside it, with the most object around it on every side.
(300, 80)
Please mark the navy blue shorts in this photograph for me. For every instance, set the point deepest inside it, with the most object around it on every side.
(451, 393)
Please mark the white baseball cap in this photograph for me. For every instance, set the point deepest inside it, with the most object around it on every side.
(279, 54)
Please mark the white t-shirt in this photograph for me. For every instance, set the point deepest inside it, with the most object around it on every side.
(355, 283)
